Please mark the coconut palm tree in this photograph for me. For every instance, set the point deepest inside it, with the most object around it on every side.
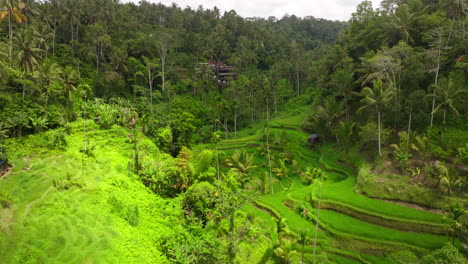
(320, 176)
(241, 162)
(455, 8)
(378, 96)
(27, 53)
(459, 227)
(11, 9)
(43, 34)
(343, 81)
(327, 116)
(69, 77)
(204, 72)
(48, 74)
(303, 240)
(280, 228)
(448, 93)
(285, 252)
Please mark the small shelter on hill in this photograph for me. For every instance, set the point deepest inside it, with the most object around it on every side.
(314, 139)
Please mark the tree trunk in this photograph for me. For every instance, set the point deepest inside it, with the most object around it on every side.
(318, 218)
(269, 157)
(10, 35)
(443, 125)
(235, 123)
(450, 32)
(24, 83)
(217, 165)
(298, 80)
(435, 84)
(379, 142)
(346, 106)
(409, 130)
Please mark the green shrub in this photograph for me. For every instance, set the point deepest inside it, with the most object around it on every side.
(445, 255)
(5, 199)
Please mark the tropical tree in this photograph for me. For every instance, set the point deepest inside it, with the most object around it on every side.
(11, 9)
(326, 116)
(280, 228)
(285, 252)
(39, 123)
(343, 81)
(48, 74)
(345, 133)
(378, 96)
(403, 21)
(447, 93)
(27, 53)
(204, 72)
(241, 162)
(42, 34)
(320, 176)
(69, 78)
(459, 226)
(150, 74)
(303, 240)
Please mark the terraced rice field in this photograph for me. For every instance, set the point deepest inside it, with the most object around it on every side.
(353, 228)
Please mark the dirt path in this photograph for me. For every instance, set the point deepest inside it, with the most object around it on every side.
(4, 171)
(414, 206)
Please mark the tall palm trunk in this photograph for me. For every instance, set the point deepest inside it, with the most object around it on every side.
(298, 80)
(235, 123)
(24, 83)
(269, 157)
(378, 125)
(443, 125)
(435, 84)
(409, 130)
(318, 218)
(10, 34)
(217, 165)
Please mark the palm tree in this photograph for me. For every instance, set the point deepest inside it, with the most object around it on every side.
(377, 97)
(320, 176)
(48, 73)
(285, 252)
(39, 123)
(345, 132)
(11, 9)
(455, 8)
(205, 73)
(280, 228)
(28, 8)
(459, 227)
(303, 239)
(403, 20)
(241, 162)
(343, 81)
(27, 54)
(42, 34)
(3, 58)
(448, 94)
(69, 78)
(327, 116)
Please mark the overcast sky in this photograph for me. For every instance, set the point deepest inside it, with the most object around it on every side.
(329, 9)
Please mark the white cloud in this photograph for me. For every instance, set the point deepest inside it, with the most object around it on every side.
(329, 9)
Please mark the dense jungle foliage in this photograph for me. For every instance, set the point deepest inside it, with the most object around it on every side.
(122, 142)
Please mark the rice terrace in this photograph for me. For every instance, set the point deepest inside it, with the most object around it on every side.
(146, 132)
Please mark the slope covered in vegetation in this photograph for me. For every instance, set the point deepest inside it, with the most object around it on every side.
(144, 133)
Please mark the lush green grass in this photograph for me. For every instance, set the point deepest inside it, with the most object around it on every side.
(351, 225)
(62, 212)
